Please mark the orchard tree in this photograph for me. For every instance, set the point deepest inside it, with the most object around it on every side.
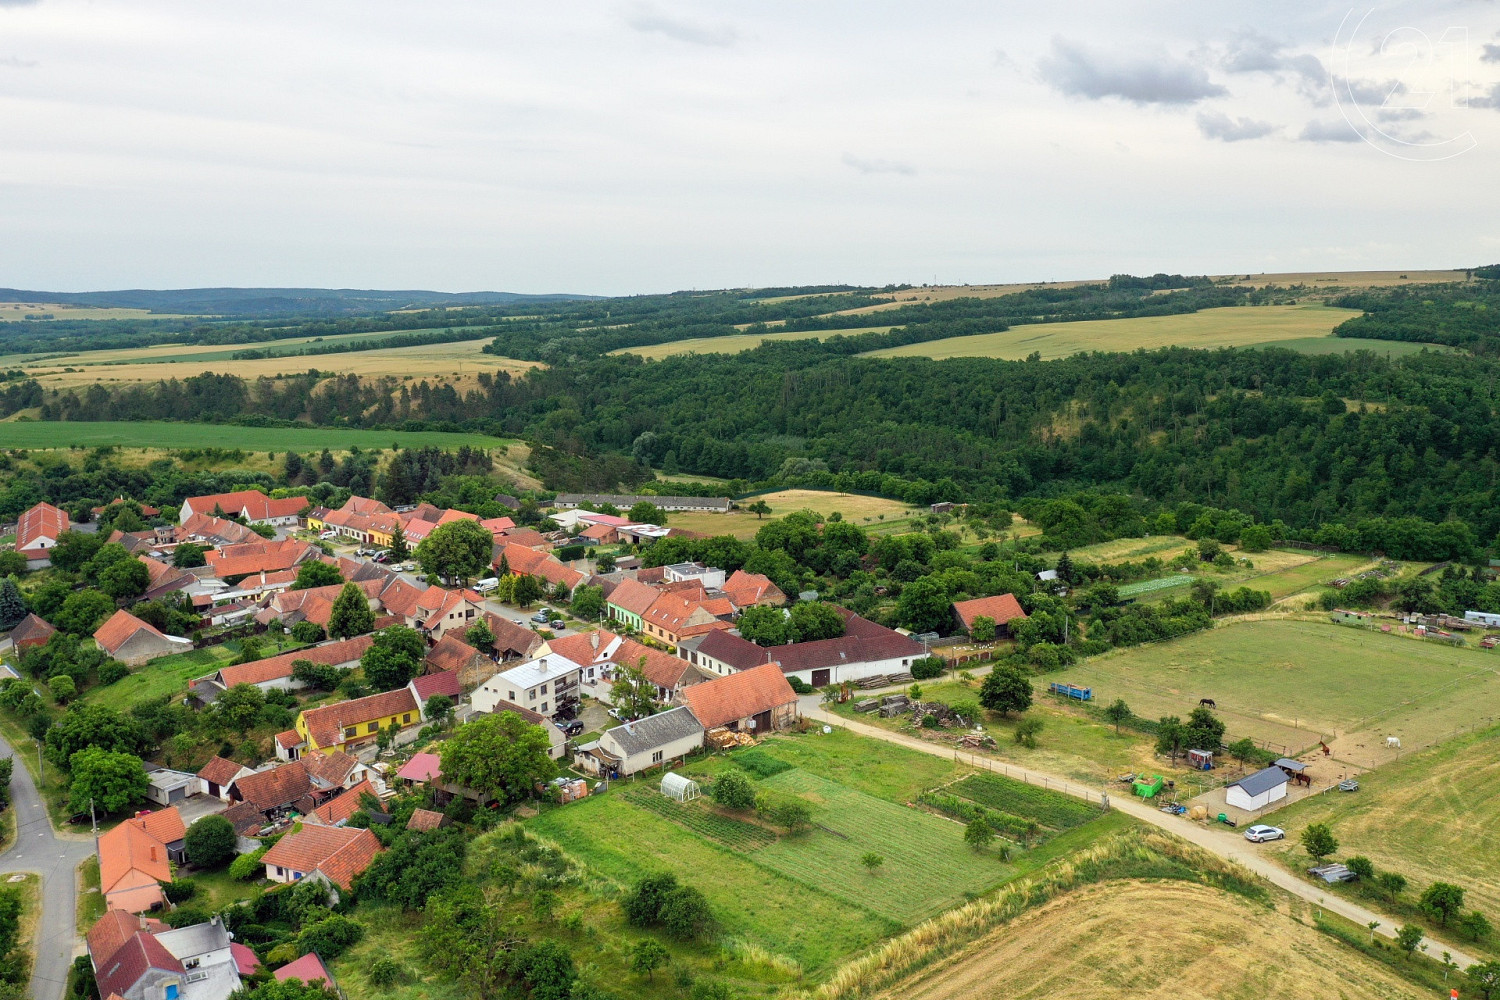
(733, 789)
(759, 508)
(351, 614)
(1442, 901)
(1007, 689)
(1318, 841)
(1118, 712)
(978, 834)
(457, 551)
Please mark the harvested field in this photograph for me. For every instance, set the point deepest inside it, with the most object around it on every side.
(1154, 939)
(858, 509)
(16, 312)
(1288, 682)
(1233, 326)
(1343, 279)
(735, 344)
(460, 360)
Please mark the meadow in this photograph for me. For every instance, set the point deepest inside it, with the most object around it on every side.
(17, 312)
(867, 512)
(37, 434)
(1427, 815)
(736, 344)
(1290, 682)
(197, 352)
(1154, 939)
(1233, 326)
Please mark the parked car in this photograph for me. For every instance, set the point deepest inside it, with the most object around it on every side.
(486, 585)
(1261, 833)
(407, 567)
(557, 623)
(328, 534)
(381, 557)
(571, 727)
(540, 618)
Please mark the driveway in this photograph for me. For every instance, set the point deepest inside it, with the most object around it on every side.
(1231, 846)
(55, 857)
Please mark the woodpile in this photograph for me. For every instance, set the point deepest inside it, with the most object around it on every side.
(945, 716)
(873, 681)
(893, 705)
(904, 677)
(724, 739)
(866, 705)
(976, 741)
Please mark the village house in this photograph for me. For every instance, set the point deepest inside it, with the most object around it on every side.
(350, 724)
(136, 857)
(341, 808)
(864, 650)
(438, 610)
(758, 700)
(468, 665)
(708, 577)
(1002, 609)
(29, 632)
(167, 787)
(234, 561)
(133, 642)
(717, 505)
(310, 970)
(218, 774)
(275, 672)
(538, 685)
(644, 743)
(333, 855)
(164, 578)
(135, 958)
(681, 614)
(253, 505)
(206, 529)
(629, 602)
(749, 590)
(298, 786)
(522, 561)
(38, 530)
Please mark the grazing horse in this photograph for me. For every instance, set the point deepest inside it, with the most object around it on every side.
(1206, 703)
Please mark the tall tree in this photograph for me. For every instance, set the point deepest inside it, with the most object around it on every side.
(1007, 689)
(351, 614)
(112, 781)
(632, 693)
(399, 549)
(500, 756)
(456, 551)
(394, 657)
(12, 607)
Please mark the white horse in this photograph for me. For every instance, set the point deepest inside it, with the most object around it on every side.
(1393, 742)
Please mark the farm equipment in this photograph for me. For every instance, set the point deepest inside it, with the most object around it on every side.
(1348, 785)
(1148, 787)
(1224, 818)
(1072, 691)
(1126, 779)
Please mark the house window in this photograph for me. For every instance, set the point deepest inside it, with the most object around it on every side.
(510, 696)
(544, 708)
(406, 718)
(372, 727)
(543, 689)
(350, 733)
(280, 871)
(531, 695)
(656, 757)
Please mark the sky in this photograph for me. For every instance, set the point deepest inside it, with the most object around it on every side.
(648, 145)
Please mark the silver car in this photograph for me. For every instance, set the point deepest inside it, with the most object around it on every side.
(1259, 834)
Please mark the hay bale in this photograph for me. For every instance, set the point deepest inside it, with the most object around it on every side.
(1198, 812)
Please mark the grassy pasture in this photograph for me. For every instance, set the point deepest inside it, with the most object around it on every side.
(1343, 279)
(1290, 681)
(1294, 579)
(1232, 326)
(624, 842)
(1427, 815)
(735, 344)
(16, 312)
(1154, 940)
(856, 508)
(42, 434)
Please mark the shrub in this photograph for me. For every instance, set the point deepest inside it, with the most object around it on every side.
(248, 866)
(757, 762)
(1362, 867)
(1026, 731)
(180, 891)
(927, 667)
(685, 915)
(929, 721)
(331, 936)
(210, 842)
(307, 631)
(386, 972)
(733, 789)
(111, 671)
(799, 685)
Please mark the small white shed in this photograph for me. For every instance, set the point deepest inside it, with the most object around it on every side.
(675, 786)
(1258, 790)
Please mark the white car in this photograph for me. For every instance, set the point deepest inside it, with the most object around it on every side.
(328, 534)
(486, 585)
(1259, 834)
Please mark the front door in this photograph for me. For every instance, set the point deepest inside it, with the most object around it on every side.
(820, 678)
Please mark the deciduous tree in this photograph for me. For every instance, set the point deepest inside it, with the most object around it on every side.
(316, 573)
(210, 842)
(113, 781)
(500, 756)
(394, 657)
(1005, 690)
(351, 614)
(458, 550)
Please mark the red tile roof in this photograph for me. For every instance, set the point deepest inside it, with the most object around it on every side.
(245, 960)
(276, 667)
(114, 929)
(510, 637)
(220, 771)
(230, 503)
(129, 857)
(339, 852)
(634, 596)
(424, 819)
(450, 653)
(738, 696)
(422, 767)
(365, 505)
(746, 589)
(309, 968)
(326, 725)
(259, 557)
(210, 527)
(274, 788)
(163, 825)
(444, 682)
(687, 613)
(118, 630)
(329, 767)
(598, 531)
(1002, 608)
(528, 561)
(43, 521)
(132, 960)
(339, 808)
(527, 538)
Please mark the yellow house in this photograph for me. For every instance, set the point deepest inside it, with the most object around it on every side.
(381, 536)
(315, 518)
(351, 723)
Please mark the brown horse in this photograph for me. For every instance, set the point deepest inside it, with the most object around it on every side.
(1206, 703)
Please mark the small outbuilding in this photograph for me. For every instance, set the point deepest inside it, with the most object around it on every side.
(1291, 767)
(1256, 791)
(675, 786)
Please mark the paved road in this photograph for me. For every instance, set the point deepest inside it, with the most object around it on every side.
(55, 857)
(1225, 843)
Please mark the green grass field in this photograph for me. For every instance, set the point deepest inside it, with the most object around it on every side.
(624, 842)
(1296, 579)
(1427, 815)
(164, 434)
(1291, 681)
(1233, 326)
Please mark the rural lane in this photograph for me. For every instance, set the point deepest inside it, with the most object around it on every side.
(55, 858)
(1230, 846)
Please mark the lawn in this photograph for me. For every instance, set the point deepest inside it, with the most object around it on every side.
(865, 765)
(164, 434)
(624, 842)
(1293, 580)
(733, 344)
(169, 675)
(1164, 547)
(1428, 815)
(867, 512)
(1232, 326)
(1289, 682)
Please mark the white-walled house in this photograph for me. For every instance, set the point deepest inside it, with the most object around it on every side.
(1256, 791)
(644, 743)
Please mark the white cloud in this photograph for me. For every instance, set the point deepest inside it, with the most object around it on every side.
(1218, 125)
(1078, 71)
(651, 21)
(1330, 131)
(878, 166)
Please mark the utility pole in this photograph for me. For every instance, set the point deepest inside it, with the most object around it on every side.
(41, 779)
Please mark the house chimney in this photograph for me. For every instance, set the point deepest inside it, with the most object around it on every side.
(153, 852)
(594, 640)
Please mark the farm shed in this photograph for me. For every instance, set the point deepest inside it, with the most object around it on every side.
(1203, 760)
(1290, 766)
(1257, 790)
(675, 786)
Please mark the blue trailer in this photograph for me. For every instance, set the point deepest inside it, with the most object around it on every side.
(1073, 691)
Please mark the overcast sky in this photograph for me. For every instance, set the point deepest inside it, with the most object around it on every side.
(652, 146)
